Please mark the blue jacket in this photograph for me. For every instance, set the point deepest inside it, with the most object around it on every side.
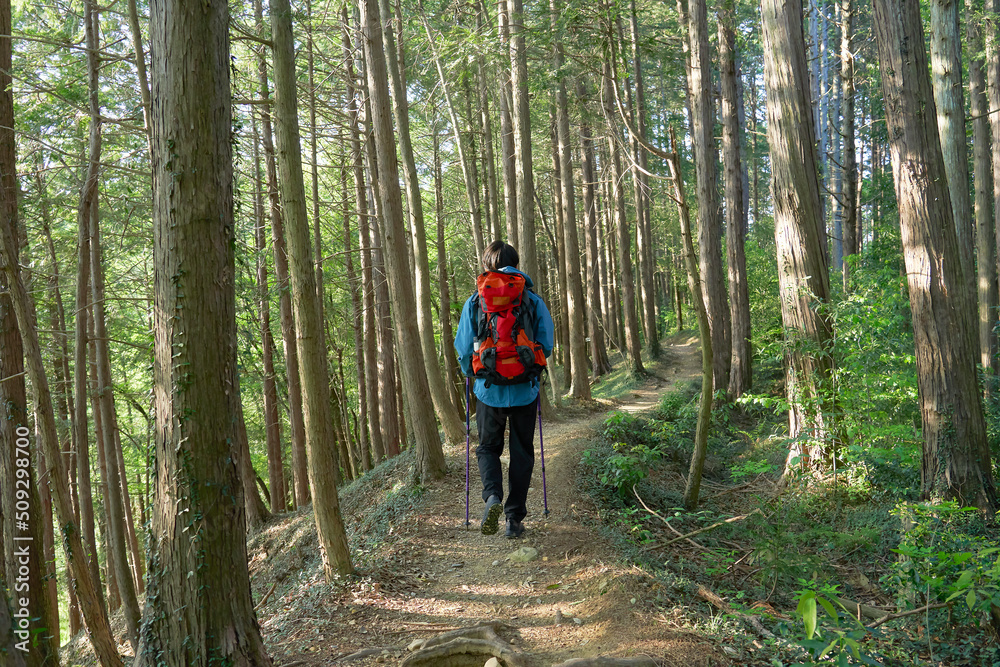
(504, 396)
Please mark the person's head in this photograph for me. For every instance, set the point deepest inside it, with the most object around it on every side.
(499, 255)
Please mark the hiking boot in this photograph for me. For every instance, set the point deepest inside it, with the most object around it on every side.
(491, 516)
(514, 529)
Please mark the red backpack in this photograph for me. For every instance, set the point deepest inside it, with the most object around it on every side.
(504, 350)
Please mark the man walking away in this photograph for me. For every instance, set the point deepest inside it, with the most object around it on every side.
(503, 338)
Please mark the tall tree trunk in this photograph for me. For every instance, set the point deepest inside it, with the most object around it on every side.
(317, 415)
(956, 457)
(598, 348)
(946, 77)
(296, 422)
(623, 235)
(693, 486)
(803, 278)
(199, 543)
(367, 286)
(508, 155)
(359, 353)
(644, 226)
(82, 367)
(136, 556)
(982, 172)
(486, 122)
(849, 193)
(991, 29)
(18, 327)
(452, 372)
(709, 225)
(521, 114)
(465, 156)
(429, 455)
(114, 507)
(741, 371)
(272, 421)
(446, 414)
(580, 387)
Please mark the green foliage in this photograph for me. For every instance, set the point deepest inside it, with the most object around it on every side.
(946, 553)
(832, 644)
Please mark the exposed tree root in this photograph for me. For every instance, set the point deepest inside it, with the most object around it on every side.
(641, 661)
(465, 647)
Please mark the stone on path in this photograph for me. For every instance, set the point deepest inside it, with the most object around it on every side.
(524, 555)
(492, 662)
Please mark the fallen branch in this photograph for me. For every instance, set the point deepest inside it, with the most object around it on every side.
(910, 612)
(858, 610)
(687, 536)
(724, 606)
(266, 597)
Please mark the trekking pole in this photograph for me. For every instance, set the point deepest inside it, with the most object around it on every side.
(541, 447)
(466, 453)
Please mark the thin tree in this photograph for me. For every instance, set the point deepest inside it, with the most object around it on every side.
(956, 457)
(17, 309)
(598, 350)
(429, 455)
(521, 121)
(693, 486)
(317, 413)
(706, 156)
(803, 279)
(272, 422)
(300, 475)
(741, 370)
(621, 230)
(367, 286)
(575, 315)
(849, 191)
(982, 186)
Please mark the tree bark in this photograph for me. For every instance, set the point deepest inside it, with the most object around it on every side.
(982, 185)
(598, 348)
(296, 423)
(741, 370)
(18, 327)
(623, 235)
(946, 77)
(199, 606)
(367, 286)
(465, 157)
(114, 507)
(272, 421)
(429, 455)
(452, 371)
(956, 458)
(447, 415)
(849, 193)
(580, 387)
(507, 151)
(803, 278)
(709, 225)
(644, 226)
(693, 486)
(317, 415)
(521, 115)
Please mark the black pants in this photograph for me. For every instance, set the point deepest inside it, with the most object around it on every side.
(491, 423)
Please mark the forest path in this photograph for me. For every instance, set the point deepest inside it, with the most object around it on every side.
(451, 577)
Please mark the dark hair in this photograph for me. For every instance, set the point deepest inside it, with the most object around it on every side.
(498, 255)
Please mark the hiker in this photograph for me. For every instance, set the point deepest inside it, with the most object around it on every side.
(503, 337)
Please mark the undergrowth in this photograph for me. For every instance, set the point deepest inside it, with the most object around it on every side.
(801, 548)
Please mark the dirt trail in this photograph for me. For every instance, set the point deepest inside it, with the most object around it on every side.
(449, 576)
